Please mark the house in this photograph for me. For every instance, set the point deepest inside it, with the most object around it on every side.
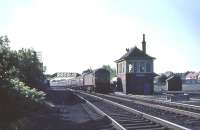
(192, 77)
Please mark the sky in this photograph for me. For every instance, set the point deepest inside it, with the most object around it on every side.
(73, 35)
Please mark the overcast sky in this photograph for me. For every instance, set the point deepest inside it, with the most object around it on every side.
(73, 35)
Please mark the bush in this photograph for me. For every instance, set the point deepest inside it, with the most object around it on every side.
(26, 91)
(18, 100)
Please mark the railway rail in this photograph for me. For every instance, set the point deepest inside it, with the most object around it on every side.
(187, 119)
(124, 117)
(74, 113)
(181, 106)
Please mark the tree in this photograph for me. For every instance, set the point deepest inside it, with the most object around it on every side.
(30, 68)
(23, 64)
(87, 71)
(4, 56)
(162, 79)
(111, 70)
(8, 60)
(18, 71)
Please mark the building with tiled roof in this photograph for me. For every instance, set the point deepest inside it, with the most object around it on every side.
(192, 75)
(135, 70)
(134, 53)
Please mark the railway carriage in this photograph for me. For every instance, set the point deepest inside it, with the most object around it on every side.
(89, 81)
(79, 82)
(92, 81)
(97, 80)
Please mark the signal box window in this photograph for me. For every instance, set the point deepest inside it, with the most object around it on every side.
(135, 67)
(148, 67)
(130, 68)
(122, 67)
(142, 67)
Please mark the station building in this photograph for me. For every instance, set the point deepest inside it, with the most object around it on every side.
(135, 71)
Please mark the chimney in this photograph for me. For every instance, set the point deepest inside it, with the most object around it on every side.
(144, 44)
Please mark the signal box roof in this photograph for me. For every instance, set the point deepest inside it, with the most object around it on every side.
(134, 53)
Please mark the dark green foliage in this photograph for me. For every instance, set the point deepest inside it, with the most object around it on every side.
(30, 68)
(8, 59)
(21, 73)
(23, 64)
(111, 70)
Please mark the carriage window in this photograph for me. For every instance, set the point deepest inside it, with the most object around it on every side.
(142, 67)
(148, 67)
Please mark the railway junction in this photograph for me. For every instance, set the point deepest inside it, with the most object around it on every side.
(136, 106)
(111, 111)
(90, 101)
(80, 110)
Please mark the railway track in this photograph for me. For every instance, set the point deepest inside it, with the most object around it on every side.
(187, 119)
(125, 118)
(73, 113)
(181, 106)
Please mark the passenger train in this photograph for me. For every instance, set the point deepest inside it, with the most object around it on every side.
(92, 81)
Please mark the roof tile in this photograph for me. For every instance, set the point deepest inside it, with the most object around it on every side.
(134, 53)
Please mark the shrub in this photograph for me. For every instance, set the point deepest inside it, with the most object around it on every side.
(26, 91)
